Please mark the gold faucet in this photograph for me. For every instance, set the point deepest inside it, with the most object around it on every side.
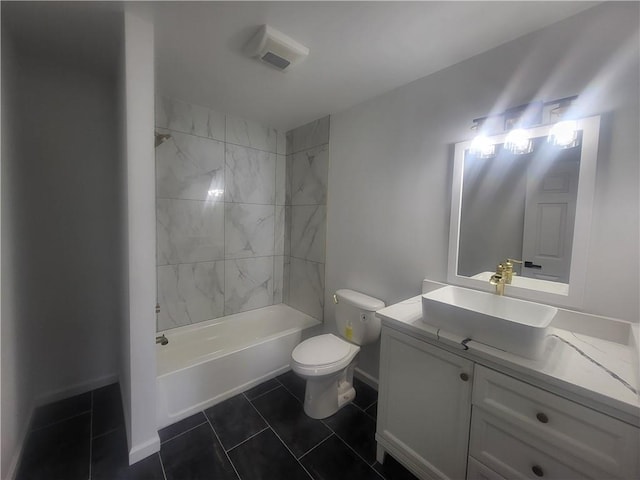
(508, 270)
(498, 279)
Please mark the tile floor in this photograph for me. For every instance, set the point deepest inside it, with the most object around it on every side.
(260, 434)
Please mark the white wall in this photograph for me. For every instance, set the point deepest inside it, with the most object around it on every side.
(66, 130)
(137, 342)
(17, 385)
(391, 161)
(61, 226)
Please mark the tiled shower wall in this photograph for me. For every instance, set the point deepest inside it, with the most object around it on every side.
(306, 211)
(220, 199)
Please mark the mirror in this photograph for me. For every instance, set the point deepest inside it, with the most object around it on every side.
(533, 207)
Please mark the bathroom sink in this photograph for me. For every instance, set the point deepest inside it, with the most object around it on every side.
(506, 323)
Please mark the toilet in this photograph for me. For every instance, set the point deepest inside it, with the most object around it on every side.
(327, 361)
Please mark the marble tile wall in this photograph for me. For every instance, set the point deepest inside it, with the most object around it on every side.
(305, 198)
(221, 200)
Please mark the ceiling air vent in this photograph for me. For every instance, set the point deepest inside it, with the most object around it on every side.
(275, 48)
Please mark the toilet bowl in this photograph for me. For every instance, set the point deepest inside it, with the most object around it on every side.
(327, 362)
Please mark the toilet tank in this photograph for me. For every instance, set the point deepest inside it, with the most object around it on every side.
(356, 316)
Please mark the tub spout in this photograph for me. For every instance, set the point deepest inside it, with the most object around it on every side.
(162, 340)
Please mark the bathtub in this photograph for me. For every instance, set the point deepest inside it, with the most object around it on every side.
(206, 363)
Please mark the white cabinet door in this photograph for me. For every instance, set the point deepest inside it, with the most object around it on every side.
(424, 406)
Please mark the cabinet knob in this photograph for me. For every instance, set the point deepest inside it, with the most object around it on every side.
(542, 418)
(537, 470)
(464, 376)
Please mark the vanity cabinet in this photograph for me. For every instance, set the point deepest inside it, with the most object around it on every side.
(424, 406)
(444, 416)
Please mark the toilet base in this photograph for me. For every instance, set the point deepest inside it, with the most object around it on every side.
(324, 396)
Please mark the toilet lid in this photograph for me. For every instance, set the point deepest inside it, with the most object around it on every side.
(321, 350)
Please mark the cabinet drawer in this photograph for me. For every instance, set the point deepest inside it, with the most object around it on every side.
(512, 453)
(478, 471)
(560, 424)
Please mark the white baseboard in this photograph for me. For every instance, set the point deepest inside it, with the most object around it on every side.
(143, 450)
(366, 378)
(17, 453)
(73, 390)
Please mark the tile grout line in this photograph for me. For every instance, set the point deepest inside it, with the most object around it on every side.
(367, 408)
(224, 240)
(107, 432)
(290, 392)
(358, 455)
(91, 435)
(182, 433)
(220, 442)
(225, 141)
(263, 393)
(278, 436)
(228, 202)
(317, 445)
(247, 439)
(164, 474)
(37, 429)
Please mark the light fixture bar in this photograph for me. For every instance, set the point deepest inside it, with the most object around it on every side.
(523, 107)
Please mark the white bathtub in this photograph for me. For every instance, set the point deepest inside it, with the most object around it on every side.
(208, 362)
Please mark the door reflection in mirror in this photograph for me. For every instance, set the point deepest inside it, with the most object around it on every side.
(519, 206)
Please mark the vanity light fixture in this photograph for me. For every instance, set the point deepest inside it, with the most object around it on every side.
(563, 134)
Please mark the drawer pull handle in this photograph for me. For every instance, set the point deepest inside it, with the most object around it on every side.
(537, 471)
(464, 377)
(542, 418)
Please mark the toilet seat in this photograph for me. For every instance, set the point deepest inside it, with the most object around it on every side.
(322, 355)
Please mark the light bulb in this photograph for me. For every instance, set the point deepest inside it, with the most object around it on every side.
(482, 147)
(564, 134)
(518, 142)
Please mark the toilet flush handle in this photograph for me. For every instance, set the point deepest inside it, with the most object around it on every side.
(335, 299)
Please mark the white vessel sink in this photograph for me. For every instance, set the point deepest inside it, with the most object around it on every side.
(513, 325)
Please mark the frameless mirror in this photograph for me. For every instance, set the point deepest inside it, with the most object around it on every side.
(533, 207)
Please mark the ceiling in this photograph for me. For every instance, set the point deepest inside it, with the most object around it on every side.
(358, 50)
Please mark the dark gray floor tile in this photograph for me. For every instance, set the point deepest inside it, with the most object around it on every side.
(196, 454)
(357, 429)
(110, 460)
(333, 460)
(235, 420)
(107, 409)
(61, 410)
(265, 457)
(262, 388)
(60, 451)
(148, 469)
(294, 384)
(286, 416)
(182, 426)
(393, 470)
(365, 395)
(372, 411)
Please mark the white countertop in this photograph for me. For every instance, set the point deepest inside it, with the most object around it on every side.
(591, 360)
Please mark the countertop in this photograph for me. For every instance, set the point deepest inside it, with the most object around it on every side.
(589, 359)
